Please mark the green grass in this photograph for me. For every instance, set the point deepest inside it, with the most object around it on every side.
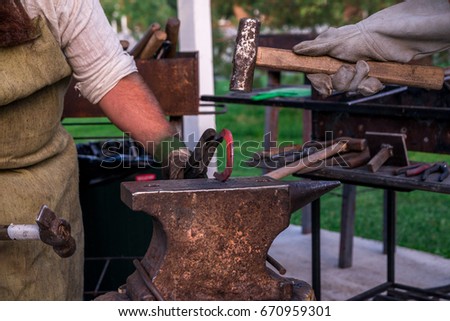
(423, 217)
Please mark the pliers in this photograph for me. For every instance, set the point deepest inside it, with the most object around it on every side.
(438, 167)
(426, 169)
(412, 170)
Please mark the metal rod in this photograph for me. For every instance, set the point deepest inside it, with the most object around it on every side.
(379, 95)
(276, 265)
(148, 282)
(371, 292)
(315, 242)
(102, 275)
(391, 212)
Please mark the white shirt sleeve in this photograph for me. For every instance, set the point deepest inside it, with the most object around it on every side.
(92, 48)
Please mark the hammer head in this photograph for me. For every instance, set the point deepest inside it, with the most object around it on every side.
(244, 58)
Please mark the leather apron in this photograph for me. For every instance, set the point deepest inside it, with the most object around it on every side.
(38, 165)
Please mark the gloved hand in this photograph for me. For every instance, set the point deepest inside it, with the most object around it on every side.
(407, 31)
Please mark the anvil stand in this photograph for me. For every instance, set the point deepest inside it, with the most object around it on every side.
(211, 239)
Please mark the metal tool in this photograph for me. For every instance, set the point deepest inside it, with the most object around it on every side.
(412, 170)
(339, 146)
(49, 229)
(202, 154)
(248, 55)
(228, 137)
(441, 168)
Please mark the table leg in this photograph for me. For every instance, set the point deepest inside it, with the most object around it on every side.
(315, 245)
(391, 213)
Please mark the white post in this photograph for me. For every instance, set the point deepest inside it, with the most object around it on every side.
(196, 35)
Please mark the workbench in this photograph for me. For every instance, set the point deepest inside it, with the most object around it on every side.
(422, 115)
(383, 179)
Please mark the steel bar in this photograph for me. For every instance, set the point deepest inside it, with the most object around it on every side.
(148, 282)
(315, 243)
(277, 265)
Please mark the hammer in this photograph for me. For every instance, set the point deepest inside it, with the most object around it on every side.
(49, 229)
(248, 55)
(338, 146)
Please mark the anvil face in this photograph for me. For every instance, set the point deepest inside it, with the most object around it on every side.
(211, 238)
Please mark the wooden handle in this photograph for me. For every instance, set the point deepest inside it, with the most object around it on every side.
(294, 167)
(428, 77)
(172, 30)
(380, 158)
(153, 44)
(137, 49)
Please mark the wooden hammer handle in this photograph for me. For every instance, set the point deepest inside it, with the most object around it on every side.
(428, 77)
(153, 44)
(380, 158)
(321, 155)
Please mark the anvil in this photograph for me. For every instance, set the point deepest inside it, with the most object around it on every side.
(211, 239)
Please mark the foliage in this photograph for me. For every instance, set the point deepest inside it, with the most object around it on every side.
(140, 14)
(300, 13)
(277, 16)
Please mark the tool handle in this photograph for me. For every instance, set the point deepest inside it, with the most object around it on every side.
(153, 44)
(379, 159)
(428, 77)
(172, 30)
(137, 49)
(321, 155)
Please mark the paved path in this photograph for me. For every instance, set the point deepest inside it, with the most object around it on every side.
(293, 250)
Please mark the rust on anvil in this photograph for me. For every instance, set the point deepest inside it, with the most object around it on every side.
(210, 239)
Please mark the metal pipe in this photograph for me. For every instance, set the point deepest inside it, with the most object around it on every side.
(19, 232)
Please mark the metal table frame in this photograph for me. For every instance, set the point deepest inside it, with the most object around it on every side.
(384, 180)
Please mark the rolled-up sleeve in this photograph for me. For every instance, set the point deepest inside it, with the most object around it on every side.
(92, 48)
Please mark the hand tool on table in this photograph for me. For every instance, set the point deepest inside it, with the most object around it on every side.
(441, 168)
(386, 149)
(277, 157)
(412, 170)
(137, 49)
(353, 144)
(49, 229)
(313, 160)
(346, 160)
(248, 55)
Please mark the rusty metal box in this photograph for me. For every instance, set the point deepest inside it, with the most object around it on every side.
(174, 81)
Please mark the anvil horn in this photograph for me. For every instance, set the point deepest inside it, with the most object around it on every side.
(304, 192)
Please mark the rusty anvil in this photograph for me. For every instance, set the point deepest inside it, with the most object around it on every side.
(248, 55)
(211, 239)
(49, 228)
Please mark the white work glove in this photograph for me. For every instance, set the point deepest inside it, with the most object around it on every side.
(401, 33)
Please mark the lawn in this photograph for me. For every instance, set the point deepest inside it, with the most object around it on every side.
(423, 217)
